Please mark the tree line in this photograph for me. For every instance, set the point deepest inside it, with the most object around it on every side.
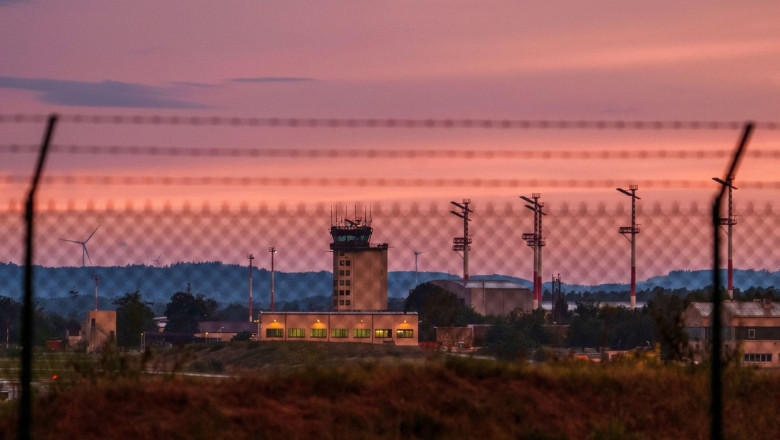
(590, 324)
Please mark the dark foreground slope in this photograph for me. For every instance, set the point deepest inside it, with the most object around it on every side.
(450, 399)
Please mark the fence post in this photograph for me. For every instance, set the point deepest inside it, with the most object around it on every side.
(716, 385)
(25, 406)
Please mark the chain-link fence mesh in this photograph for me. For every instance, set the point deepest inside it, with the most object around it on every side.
(156, 246)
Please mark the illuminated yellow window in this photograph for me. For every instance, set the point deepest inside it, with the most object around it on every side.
(383, 333)
(296, 333)
(404, 333)
(319, 333)
(274, 333)
(361, 333)
(339, 333)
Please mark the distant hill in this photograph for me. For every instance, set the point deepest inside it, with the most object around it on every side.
(72, 288)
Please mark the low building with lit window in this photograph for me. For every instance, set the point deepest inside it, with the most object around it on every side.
(359, 298)
(750, 329)
(374, 327)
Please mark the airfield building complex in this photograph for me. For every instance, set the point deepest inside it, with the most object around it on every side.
(359, 298)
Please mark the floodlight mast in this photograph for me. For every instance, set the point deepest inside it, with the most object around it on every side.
(416, 254)
(633, 230)
(463, 243)
(96, 278)
(536, 240)
(730, 221)
(250, 257)
(272, 250)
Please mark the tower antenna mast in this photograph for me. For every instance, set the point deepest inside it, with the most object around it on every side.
(463, 243)
(633, 230)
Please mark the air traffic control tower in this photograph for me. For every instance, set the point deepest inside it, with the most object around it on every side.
(359, 269)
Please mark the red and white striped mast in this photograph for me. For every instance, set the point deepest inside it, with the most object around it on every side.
(536, 240)
(730, 221)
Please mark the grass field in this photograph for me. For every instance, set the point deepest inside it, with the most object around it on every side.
(343, 391)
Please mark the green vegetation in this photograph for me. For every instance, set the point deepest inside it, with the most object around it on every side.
(438, 308)
(133, 317)
(439, 398)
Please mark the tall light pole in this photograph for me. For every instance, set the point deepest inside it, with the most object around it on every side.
(96, 278)
(250, 257)
(272, 250)
(536, 240)
(416, 253)
(633, 230)
(730, 221)
(463, 243)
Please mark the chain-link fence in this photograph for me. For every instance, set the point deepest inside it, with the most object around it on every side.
(180, 224)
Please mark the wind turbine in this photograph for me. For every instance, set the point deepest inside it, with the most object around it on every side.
(156, 261)
(83, 244)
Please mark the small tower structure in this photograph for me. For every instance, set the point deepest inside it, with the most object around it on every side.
(359, 268)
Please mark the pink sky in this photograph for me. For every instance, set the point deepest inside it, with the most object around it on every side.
(557, 60)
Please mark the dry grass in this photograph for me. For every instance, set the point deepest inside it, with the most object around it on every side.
(452, 398)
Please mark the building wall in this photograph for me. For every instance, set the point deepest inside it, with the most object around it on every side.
(756, 339)
(99, 328)
(500, 302)
(360, 279)
(372, 328)
(489, 300)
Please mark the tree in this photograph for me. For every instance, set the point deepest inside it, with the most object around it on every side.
(438, 308)
(185, 311)
(133, 317)
(10, 313)
(515, 336)
(667, 313)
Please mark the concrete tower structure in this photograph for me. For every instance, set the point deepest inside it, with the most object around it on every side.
(359, 269)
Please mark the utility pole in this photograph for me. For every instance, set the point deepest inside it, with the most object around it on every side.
(272, 250)
(536, 240)
(633, 230)
(250, 257)
(729, 221)
(463, 243)
(96, 278)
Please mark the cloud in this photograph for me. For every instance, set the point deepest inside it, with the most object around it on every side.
(98, 94)
(271, 79)
(10, 2)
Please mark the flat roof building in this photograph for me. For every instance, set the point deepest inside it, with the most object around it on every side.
(749, 328)
(396, 328)
(490, 297)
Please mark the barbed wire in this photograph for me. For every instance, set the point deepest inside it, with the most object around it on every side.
(383, 153)
(386, 122)
(372, 181)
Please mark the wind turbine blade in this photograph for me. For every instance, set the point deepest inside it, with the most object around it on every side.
(90, 235)
(87, 252)
(72, 241)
